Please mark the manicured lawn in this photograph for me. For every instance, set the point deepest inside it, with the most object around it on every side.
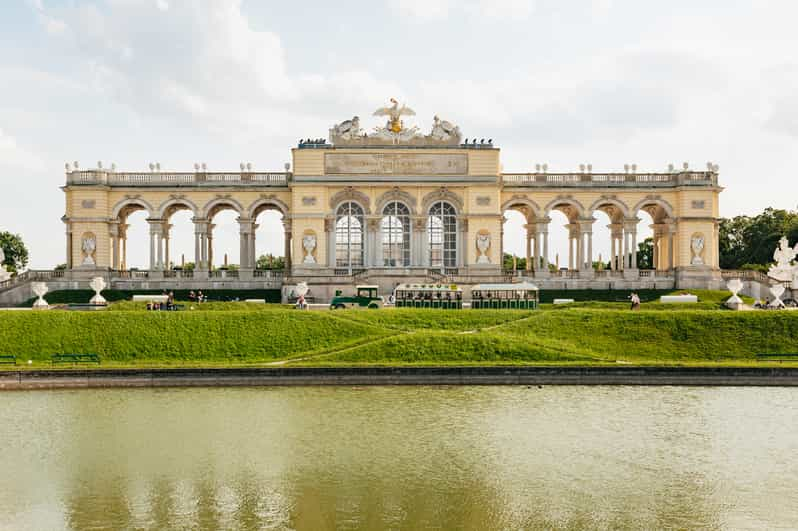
(238, 334)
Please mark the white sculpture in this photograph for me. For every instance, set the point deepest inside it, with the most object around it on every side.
(40, 289)
(783, 270)
(483, 244)
(309, 244)
(89, 246)
(777, 291)
(734, 302)
(697, 245)
(4, 274)
(97, 284)
(346, 130)
(443, 130)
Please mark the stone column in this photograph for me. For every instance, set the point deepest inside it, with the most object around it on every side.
(671, 231)
(613, 263)
(372, 230)
(634, 249)
(200, 246)
(419, 238)
(156, 244)
(625, 250)
(252, 251)
(463, 243)
(329, 230)
(545, 265)
(287, 229)
(113, 233)
(589, 251)
(529, 234)
(209, 246)
(166, 231)
(244, 244)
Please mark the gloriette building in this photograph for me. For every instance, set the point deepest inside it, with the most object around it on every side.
(396, 205)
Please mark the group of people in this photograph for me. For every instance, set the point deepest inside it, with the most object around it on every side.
(169, 305)
(198, 297)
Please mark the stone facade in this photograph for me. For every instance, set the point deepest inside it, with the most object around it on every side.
(398, 213)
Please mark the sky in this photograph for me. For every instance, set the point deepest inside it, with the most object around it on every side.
(561, 82)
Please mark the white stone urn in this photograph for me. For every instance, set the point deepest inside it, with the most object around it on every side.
(97, 284)
(40, 289)
(735, 302)
(4, 275)
(777, 291)
(309, 244)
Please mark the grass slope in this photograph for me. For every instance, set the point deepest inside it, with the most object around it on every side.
(598, 336)
(178, 337)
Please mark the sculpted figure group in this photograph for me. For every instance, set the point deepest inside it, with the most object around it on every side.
(394, 132)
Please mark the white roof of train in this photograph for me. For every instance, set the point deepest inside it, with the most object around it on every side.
(519, 286)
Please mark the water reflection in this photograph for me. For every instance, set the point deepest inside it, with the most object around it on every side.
(400, 458)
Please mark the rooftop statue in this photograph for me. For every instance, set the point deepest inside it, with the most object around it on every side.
(783, 270)
(348, 133)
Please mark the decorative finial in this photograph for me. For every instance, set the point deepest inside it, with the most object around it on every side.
(99, 164)
(113, 166)
(634, 168)
(241, 165)
(204, 166)
(582, 168)
(249, 166)
(152, 166)
(196, 166)
(545, 168)
(287, 166)
(590, 168)
(626, 168)
(670, 168)
(66, 166)
(76, 165)
(158, 166)
(537, 168)
(686, 166)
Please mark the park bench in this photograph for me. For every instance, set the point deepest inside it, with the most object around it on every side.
(788, 356)
(75, 358)
(8, 360)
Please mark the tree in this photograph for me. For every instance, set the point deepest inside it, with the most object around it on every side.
(15, 250)
(507, 263)
(269, 261)
(751, 240)
(645, 254)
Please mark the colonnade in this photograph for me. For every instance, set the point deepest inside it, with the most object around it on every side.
(623, 245)
(160, 257)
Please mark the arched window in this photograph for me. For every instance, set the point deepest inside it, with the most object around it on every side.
(395, 226)
(442, 230)
(349, 235)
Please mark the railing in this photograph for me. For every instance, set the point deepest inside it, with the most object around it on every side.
(32, 275)
(272, 274)
(610, 180)
(173, 179)
(224, 273)
(745, 274)
(348, 272)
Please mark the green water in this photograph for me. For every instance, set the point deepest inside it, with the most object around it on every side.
(400, 458)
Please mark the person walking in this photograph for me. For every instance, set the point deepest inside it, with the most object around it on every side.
(635, 301)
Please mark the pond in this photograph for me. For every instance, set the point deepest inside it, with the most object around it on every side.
(400, 458)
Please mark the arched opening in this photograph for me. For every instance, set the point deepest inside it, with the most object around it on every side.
(565, 236)
(602, 240)
(223, 237)
(349, 228)
(395, 235)
(442, 231)
(133, 251)
(655, 249)
(514, 241)
(608, 235)
(179, 237)
(270, 240)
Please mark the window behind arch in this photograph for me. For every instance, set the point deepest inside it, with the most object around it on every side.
(395, 229)
(349, 235)
(442, 229)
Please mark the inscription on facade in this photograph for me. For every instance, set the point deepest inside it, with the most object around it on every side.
(87, 203)
(395, 164)
(483, 200)
(308, 201)
(698, 205)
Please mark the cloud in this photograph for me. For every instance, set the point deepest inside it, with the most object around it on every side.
(433, 10)
(15, 157)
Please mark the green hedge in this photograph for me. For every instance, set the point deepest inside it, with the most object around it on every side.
(82, 296)
(171, 337)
